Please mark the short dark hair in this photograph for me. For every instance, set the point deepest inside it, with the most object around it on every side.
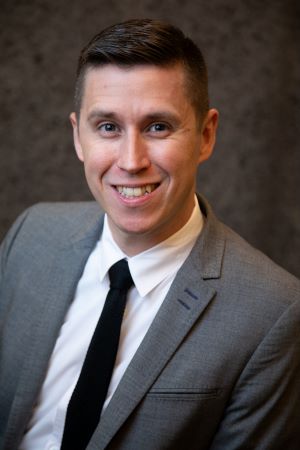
(146, 42)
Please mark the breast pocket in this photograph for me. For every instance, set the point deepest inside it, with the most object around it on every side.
(173, 418)
(184, 394)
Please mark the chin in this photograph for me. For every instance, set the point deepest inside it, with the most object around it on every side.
(135, 230)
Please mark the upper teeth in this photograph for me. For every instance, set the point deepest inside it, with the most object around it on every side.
(135, 191)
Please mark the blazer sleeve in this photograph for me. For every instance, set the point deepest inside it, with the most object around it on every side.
(264, 409)
(6, 247)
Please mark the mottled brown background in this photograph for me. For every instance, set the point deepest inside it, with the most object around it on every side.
(252, 50)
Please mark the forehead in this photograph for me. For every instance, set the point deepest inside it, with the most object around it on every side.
(146, 82)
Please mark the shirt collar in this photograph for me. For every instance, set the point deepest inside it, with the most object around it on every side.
(152, 266)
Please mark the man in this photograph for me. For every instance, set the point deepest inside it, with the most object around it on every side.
(209, 351)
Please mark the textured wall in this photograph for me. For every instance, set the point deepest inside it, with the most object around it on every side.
(252, 50)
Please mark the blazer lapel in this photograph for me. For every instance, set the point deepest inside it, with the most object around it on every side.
(186, 300)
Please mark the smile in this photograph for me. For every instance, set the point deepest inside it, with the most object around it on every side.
(137, 191)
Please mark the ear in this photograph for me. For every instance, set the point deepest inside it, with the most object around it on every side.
(75, 124)
(208, 134)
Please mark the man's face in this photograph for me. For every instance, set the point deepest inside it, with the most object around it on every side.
(141, 143)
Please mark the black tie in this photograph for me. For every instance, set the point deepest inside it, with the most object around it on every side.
(84, 409)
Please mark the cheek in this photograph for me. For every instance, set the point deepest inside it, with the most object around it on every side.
(97, 162)
(179, 162)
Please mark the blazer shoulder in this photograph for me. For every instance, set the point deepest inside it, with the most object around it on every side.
(51, 224)
(250, 266)
(223, 255)
(60, 214)
(62, 211)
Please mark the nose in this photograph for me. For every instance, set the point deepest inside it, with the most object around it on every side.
(133, 153)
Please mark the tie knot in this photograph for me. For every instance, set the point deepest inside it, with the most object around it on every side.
(119, 276)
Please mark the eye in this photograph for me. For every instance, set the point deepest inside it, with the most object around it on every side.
(108, 129)
(159, 129)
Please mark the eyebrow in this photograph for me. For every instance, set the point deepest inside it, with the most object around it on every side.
(99, 113)
(162, 115)
(152, 116)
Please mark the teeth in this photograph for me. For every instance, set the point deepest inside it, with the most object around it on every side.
(139, 191)
(149, 188)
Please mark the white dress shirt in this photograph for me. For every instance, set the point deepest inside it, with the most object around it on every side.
(152, 271)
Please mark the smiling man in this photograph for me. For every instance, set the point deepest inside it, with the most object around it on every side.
(139, 321)
(141, 141)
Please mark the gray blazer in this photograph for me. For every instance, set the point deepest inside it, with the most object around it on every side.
(219, 368)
